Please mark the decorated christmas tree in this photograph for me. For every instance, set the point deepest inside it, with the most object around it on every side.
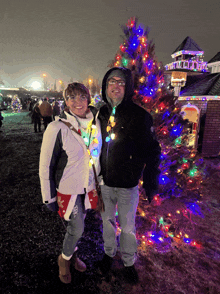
(172, 213)
(16, 104)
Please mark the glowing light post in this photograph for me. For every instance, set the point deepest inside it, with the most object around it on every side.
(61, 85)
(45, 82)
(55, 85)
(90, 84)
(178, 80)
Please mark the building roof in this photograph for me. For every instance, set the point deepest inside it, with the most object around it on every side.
(202, 85)
(188, 44)
(215, 58)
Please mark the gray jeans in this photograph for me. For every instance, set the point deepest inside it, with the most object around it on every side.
(127, 200)
(75, 227)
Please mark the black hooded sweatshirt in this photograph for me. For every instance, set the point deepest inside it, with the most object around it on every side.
(134, 149)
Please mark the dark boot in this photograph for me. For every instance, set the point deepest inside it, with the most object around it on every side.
(78, 263)
(64, 270)
(131, 275)
(105, 264)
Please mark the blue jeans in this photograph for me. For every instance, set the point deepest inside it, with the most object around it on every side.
(127, 201)
(75, 227)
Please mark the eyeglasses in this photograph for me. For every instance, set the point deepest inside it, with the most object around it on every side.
(119, 82)
(82, 98)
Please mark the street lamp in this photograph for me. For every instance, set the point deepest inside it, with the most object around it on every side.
(45, 82)
(61, 85)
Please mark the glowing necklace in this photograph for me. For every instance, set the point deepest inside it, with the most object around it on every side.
(88, 134)
(110, 126)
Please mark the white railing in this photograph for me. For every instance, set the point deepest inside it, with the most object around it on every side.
(189, 65)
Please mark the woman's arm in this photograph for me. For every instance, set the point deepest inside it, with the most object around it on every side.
(49, 157)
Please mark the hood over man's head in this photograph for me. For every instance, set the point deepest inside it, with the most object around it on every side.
(117, 73)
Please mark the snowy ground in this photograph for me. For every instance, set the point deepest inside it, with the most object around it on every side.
(31, 236)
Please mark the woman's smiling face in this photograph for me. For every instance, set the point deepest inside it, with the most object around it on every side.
(78, 103)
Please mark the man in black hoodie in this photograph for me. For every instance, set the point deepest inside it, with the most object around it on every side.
(129, 151)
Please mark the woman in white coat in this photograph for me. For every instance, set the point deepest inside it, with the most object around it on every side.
(66, 175)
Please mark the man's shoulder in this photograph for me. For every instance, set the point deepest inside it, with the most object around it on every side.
(93, 109)
(104, 110)
(138, 110)
(103, 107)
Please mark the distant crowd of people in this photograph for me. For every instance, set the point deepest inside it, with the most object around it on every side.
(43, 112)
(1, 119)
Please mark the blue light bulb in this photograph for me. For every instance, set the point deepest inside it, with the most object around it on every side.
(95, 152)
(163, 180)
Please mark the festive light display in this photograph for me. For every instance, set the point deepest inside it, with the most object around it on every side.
(182, 171)
(188, 52)
(16, 104)
(190, 60)
(194, 65)
(199, 98)
(96, 99)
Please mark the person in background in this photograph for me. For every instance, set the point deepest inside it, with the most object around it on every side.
(36, 118)
(129, 150)
(31, 107)
(31, 104)
(56, 109)
(66, 175)
(46, 112)
(1, 118)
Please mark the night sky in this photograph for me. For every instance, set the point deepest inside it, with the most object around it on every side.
(76, 38)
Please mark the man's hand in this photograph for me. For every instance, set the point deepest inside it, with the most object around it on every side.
(53, 206)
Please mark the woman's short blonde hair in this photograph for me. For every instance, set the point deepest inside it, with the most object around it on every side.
(77, 88)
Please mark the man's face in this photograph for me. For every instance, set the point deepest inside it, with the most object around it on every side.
(116, 90)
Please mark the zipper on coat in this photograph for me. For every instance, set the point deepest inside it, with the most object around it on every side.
(107, 160)
(107, 167)
(107, 154)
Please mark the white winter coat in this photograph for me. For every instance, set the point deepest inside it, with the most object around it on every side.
(64, 159)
